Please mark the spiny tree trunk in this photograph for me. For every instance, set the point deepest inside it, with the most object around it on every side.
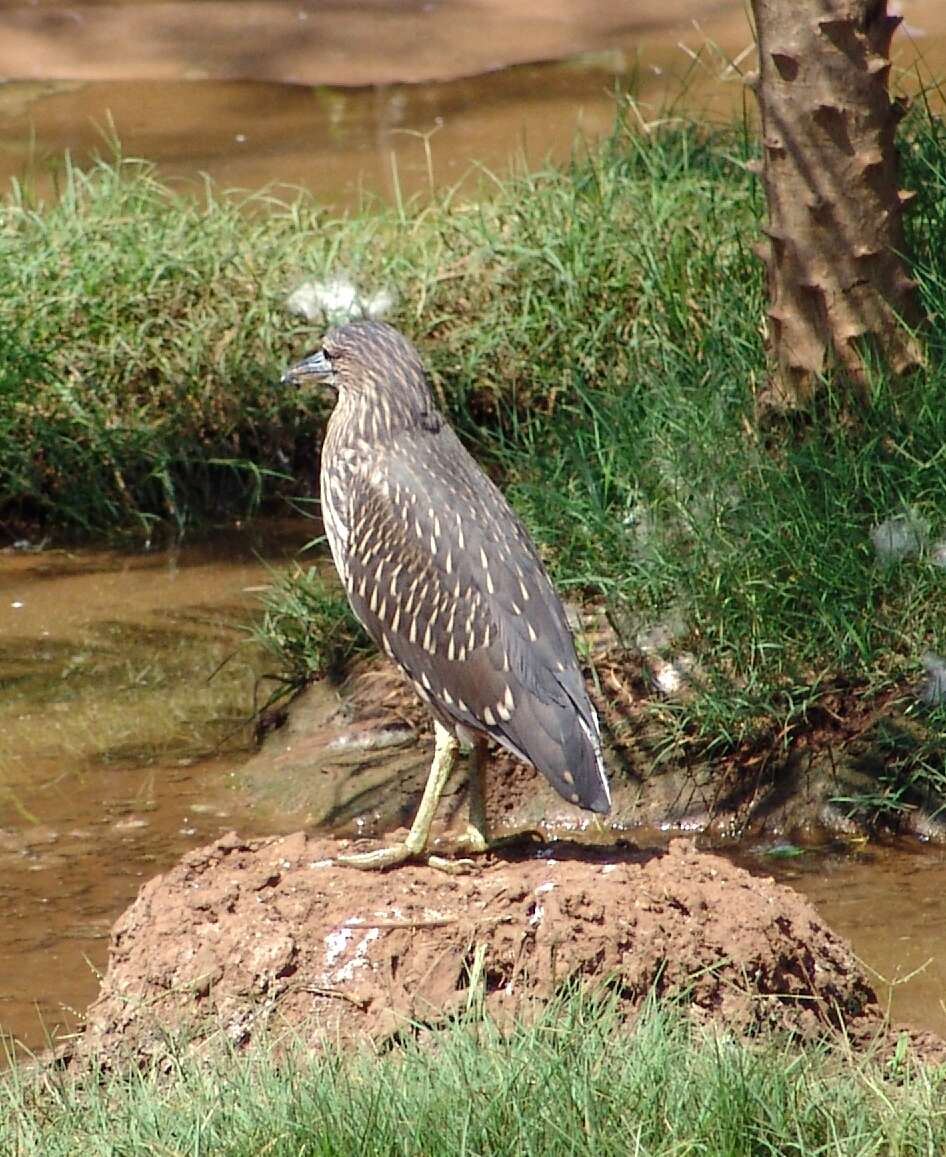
(838, 288)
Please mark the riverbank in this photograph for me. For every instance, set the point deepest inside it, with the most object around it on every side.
(594, 334)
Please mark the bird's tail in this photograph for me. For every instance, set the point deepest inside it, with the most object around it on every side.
(565, 746)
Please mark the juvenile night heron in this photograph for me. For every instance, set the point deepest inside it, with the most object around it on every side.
(446, 580)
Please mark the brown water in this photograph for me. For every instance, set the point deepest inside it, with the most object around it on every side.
(338, 97)
(890, 903)
(127, 686)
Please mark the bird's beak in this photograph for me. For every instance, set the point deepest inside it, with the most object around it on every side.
(315, 369)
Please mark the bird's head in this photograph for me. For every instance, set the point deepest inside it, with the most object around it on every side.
(369, 362)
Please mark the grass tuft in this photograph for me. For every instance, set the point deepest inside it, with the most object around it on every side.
(308, 626)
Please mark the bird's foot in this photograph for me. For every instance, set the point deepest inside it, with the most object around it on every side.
(458, 867)
(472, 841)
(394, 854)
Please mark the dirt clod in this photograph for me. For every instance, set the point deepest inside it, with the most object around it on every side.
(272, 933)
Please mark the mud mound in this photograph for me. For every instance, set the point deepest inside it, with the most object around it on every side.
(271, 933)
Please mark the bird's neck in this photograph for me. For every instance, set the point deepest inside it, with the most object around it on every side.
(360, 418)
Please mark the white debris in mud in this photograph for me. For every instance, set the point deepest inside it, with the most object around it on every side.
(335, 944)
(538, 911)
(372, 740)
(337, 299)
(898, 537)
(670, 676)
(360, 957)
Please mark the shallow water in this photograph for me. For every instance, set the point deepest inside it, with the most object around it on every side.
(340, 97)
(128, 684)
(890, 903)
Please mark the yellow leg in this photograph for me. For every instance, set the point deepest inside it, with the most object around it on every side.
(446, 747)
(475, 839)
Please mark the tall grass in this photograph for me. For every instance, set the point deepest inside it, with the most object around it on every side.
(573, 1083)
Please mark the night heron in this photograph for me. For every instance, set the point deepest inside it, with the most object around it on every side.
(447, 581)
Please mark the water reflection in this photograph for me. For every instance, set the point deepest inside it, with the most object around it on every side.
(392, 140)
(345, 145)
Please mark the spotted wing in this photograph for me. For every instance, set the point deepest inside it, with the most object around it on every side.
(446, 579)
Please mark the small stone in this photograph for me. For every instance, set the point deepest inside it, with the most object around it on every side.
(898, 537)
(933, 688)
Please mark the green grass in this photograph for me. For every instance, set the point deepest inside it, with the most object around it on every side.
(594, 332)
(573, 1083)
(308, 627)
(142, 338)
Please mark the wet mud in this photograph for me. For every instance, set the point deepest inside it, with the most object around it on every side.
(244, 937)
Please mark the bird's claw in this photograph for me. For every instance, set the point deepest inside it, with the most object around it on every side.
(386, 857)
(473, 841)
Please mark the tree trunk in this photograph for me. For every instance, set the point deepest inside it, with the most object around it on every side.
(838, 288)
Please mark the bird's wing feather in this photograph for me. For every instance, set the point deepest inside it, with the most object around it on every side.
(452, 587)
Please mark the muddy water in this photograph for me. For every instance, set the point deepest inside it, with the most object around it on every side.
(337, 97)
(127, 685)
(890, 903)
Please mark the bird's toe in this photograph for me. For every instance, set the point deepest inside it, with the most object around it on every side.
(386, 857)
(458, 867)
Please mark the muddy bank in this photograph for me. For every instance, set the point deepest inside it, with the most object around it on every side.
(247, 936)
(354, 758)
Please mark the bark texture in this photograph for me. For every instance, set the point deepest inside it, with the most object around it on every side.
(838, 286)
